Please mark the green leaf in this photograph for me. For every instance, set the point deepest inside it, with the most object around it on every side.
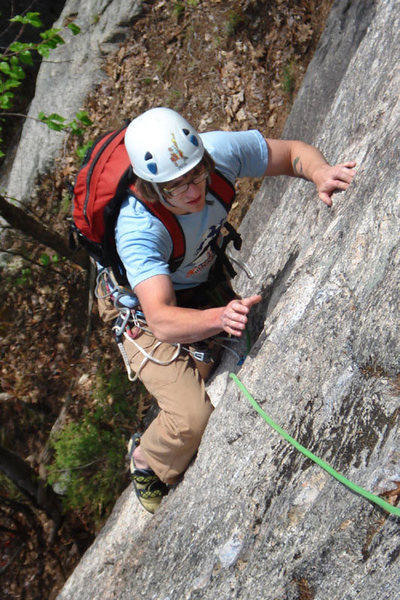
(51, 40)
(26, 57)
(51, 34)
(31, 18)
(83, 117)
(53, 121)
(54, 126)
(11, 83)
(74, 28)
(5, 100)
(43, 51)
(5, 67)
(56, 117)
(45, 35)
(44, 259)
(16, 47)
(75, 128)
(17, 72)
(81, 151)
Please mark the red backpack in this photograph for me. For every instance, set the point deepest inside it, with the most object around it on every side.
(101, 185)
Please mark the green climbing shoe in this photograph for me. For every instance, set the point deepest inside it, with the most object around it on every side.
(149, 489)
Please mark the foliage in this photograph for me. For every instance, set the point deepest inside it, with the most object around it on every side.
(178, 9)
(8, 488)
(58, 123)
(25, 277)
(289, 79)
(89, 465)
(234, 21)
(80, 448)
(19, 56)
(82, 150)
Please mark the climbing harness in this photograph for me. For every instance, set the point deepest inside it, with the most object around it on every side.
(131, 321)
(128, 315)
(352, 486)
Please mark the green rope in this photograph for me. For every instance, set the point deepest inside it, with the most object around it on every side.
(352, 486)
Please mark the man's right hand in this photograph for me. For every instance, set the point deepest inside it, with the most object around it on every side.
(234, 317)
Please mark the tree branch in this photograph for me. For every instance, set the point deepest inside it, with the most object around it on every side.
(20, 220)
(34, 262)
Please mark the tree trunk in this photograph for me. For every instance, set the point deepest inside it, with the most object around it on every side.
(25, 479)
(22, 221)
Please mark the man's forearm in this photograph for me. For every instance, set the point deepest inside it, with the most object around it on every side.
(186, 325)
(306, 160)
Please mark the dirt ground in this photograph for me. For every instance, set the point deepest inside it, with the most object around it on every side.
(230, 65)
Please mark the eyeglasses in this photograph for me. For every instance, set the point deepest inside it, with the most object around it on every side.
(182, 188)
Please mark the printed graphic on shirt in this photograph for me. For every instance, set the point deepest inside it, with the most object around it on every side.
(205, 261)
(211, 234)
(204, 255)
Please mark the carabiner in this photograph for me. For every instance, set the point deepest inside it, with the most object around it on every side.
(124, 314)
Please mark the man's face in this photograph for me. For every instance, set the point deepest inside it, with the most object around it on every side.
(187, 194)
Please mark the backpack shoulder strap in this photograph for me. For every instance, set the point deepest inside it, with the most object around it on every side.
(174, 229)
(222, 189)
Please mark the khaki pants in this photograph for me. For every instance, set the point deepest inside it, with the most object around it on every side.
(172, 439)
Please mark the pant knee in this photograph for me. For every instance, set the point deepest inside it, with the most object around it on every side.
(193, 423)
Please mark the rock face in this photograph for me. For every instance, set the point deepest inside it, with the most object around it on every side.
(71, 72)
(253, 518)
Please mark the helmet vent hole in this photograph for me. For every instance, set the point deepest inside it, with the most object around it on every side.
(194, 140)
(148, 156)
(152, 167)
(186, 131)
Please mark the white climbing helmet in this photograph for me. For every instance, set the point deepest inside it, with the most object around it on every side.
(162, 145)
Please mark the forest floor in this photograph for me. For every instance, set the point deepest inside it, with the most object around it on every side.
(230, 65)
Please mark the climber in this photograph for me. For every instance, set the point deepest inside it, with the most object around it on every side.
(191, 175)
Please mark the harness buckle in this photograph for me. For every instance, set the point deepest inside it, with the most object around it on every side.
(205, 355)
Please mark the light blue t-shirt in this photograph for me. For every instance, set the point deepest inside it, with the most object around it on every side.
(143, 242)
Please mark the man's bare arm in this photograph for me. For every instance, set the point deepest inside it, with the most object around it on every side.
(170, 323)
(297, 159)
